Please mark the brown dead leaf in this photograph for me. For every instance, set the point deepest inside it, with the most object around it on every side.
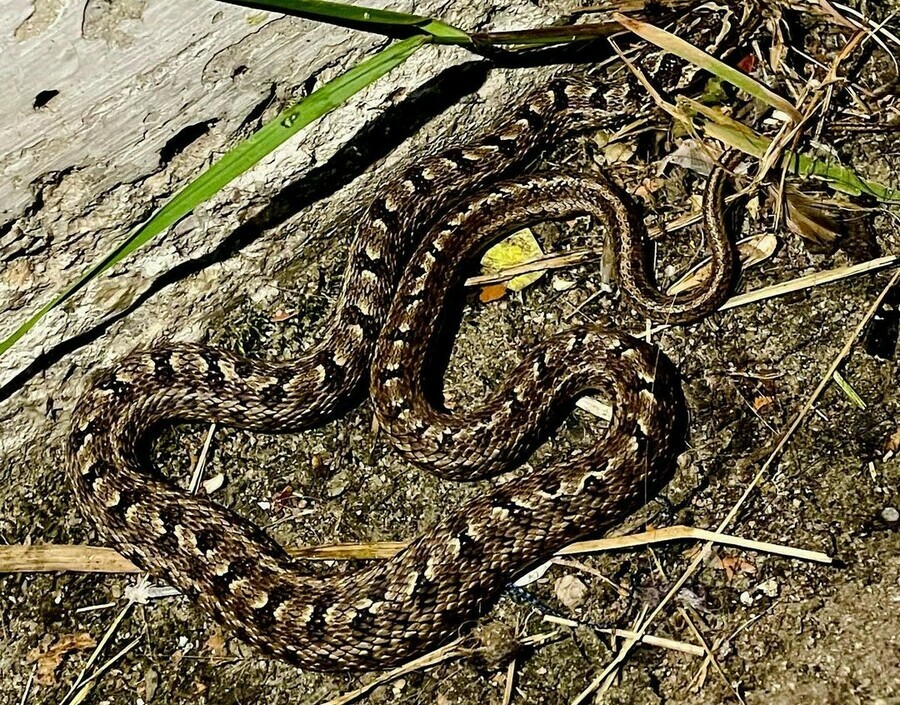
(751, 251)
(492, 292)
(216, 643)
(819, 226)
(283, 314)
(732, 565)
(49, 658)
(761, 402)
(892, 444)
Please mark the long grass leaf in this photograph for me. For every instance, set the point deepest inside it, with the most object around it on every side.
(236, 161)
(735, 134)
(360, 17)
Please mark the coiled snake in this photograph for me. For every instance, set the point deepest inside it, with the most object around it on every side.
(385, 316)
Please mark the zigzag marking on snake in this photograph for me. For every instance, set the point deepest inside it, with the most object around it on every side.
(385, 613)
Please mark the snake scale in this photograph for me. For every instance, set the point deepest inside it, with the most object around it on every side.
(395, 283)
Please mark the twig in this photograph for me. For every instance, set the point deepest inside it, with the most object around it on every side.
(710, 654)
(675, 533)
(197, 475)
(27, 691)
(701, 672)
(452, 650)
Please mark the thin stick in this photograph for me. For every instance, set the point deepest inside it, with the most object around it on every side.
(675, 533)
(710, 654)
(807, 406)
(452, 650)
(627, 645)
(88, 684)
(807, 281)
(810, 280)
(698, 679)
(27, 691)
(578, 565)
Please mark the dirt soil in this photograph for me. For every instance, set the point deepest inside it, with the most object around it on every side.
(783, 630)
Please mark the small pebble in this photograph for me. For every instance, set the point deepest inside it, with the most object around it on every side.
(769, 588)
(571, 592)
(890, 515)
(337, 485)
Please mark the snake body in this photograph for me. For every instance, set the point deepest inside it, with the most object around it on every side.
(383, 614)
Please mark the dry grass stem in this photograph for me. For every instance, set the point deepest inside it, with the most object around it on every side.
(709, 653)
(510, 682)
(88, 684)
(662, 642)
(579, 566)
(26, 691)
(84, 682)
(197, 475)
(677, 533)
(606, 681)
(809, 281)
(52, 558)
(349, 551)
(455, 649)
(678, 46)
(94, 559)
(685, 614)
(697, 681)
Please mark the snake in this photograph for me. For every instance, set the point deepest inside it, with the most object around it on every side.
(403, 263)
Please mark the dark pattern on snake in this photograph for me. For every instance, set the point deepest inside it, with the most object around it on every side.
(386, 613)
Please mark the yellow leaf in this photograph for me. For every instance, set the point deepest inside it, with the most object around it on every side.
(518, 248)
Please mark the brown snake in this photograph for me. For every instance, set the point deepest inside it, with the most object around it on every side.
(383, 614)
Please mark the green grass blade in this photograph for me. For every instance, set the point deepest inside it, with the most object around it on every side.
(719, 126)
(236, 161)
(851, 393)
(333, 11)
(360, 17)
(837, 176)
